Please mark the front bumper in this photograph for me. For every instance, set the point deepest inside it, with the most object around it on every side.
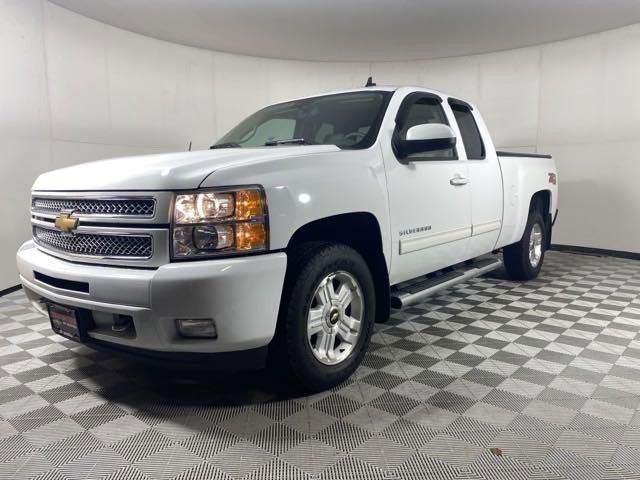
(242, 295)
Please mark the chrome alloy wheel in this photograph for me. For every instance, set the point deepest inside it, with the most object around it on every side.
(335, 318)
(535, 245)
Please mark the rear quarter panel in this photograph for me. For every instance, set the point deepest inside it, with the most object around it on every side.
(522, 178)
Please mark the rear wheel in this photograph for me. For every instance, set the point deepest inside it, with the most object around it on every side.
(523, 260)
(326, 315)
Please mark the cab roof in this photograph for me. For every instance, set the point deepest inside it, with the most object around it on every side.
(379, 88)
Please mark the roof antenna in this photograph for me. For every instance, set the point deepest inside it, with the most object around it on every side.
(370, 82)
(189, 146)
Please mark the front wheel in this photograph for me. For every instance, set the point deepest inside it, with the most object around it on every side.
(326, 315)
(523, 260)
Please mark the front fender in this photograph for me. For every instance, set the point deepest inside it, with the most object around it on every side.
(306, 188)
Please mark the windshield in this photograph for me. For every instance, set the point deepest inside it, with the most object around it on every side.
(347, 120)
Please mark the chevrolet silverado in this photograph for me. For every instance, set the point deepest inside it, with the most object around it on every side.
(285, 241)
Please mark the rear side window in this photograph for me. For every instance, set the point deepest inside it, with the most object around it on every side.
(469, 130)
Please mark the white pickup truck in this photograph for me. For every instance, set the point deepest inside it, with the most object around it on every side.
(290, 237)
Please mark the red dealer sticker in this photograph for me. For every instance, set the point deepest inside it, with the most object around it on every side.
(64, 321)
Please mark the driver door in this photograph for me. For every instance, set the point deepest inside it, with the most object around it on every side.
(429, 197)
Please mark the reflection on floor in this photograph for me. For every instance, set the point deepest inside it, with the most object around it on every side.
(493, 379)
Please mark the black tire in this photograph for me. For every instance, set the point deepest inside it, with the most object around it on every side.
(516, 256)
(307, 266)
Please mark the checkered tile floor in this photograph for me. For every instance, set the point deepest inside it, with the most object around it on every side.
(493, 379)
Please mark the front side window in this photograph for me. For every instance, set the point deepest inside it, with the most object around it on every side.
(347, 120)
(418, 109)
(471, 137)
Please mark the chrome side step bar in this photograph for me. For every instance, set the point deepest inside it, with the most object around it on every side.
(419, 291)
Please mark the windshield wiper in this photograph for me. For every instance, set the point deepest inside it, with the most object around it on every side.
(273, 143)
(225, 145)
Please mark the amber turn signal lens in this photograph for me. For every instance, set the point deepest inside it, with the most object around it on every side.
(249, 204)
(251, 236)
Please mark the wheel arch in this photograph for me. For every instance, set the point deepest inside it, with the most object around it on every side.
(541, 200)
(360, 231)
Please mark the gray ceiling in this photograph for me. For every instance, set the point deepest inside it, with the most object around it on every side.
(360, 30)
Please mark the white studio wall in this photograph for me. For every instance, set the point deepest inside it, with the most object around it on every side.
(73, 89)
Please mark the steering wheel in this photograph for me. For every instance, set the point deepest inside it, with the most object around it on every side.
(357, 136)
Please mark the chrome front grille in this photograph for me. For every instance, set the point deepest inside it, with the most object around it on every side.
(128, 229)
(108, 207)
(95, 245)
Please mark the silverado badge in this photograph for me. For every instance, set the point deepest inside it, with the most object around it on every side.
(65, 223)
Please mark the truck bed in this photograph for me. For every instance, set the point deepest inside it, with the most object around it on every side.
(523, 174)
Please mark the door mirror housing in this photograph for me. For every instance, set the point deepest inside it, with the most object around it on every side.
(427, 137)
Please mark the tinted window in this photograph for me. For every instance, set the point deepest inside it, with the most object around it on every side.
(419, 110)
(469, 130)
(347, 120)
(274, 128)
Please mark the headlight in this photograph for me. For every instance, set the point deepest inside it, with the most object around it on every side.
(219, 222)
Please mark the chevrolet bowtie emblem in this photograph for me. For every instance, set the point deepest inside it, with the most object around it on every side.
(65, 223)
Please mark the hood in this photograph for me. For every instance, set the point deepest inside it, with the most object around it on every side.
(169, 171)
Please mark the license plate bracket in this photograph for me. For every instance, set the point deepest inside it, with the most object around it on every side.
(68, 321)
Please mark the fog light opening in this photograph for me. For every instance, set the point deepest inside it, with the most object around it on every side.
(122, 323)
(197, 327)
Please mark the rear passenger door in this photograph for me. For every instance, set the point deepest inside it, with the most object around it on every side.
(485, 178)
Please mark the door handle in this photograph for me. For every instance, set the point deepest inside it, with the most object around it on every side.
(457, 181)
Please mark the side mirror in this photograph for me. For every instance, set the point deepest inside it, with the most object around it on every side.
(427, 137)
